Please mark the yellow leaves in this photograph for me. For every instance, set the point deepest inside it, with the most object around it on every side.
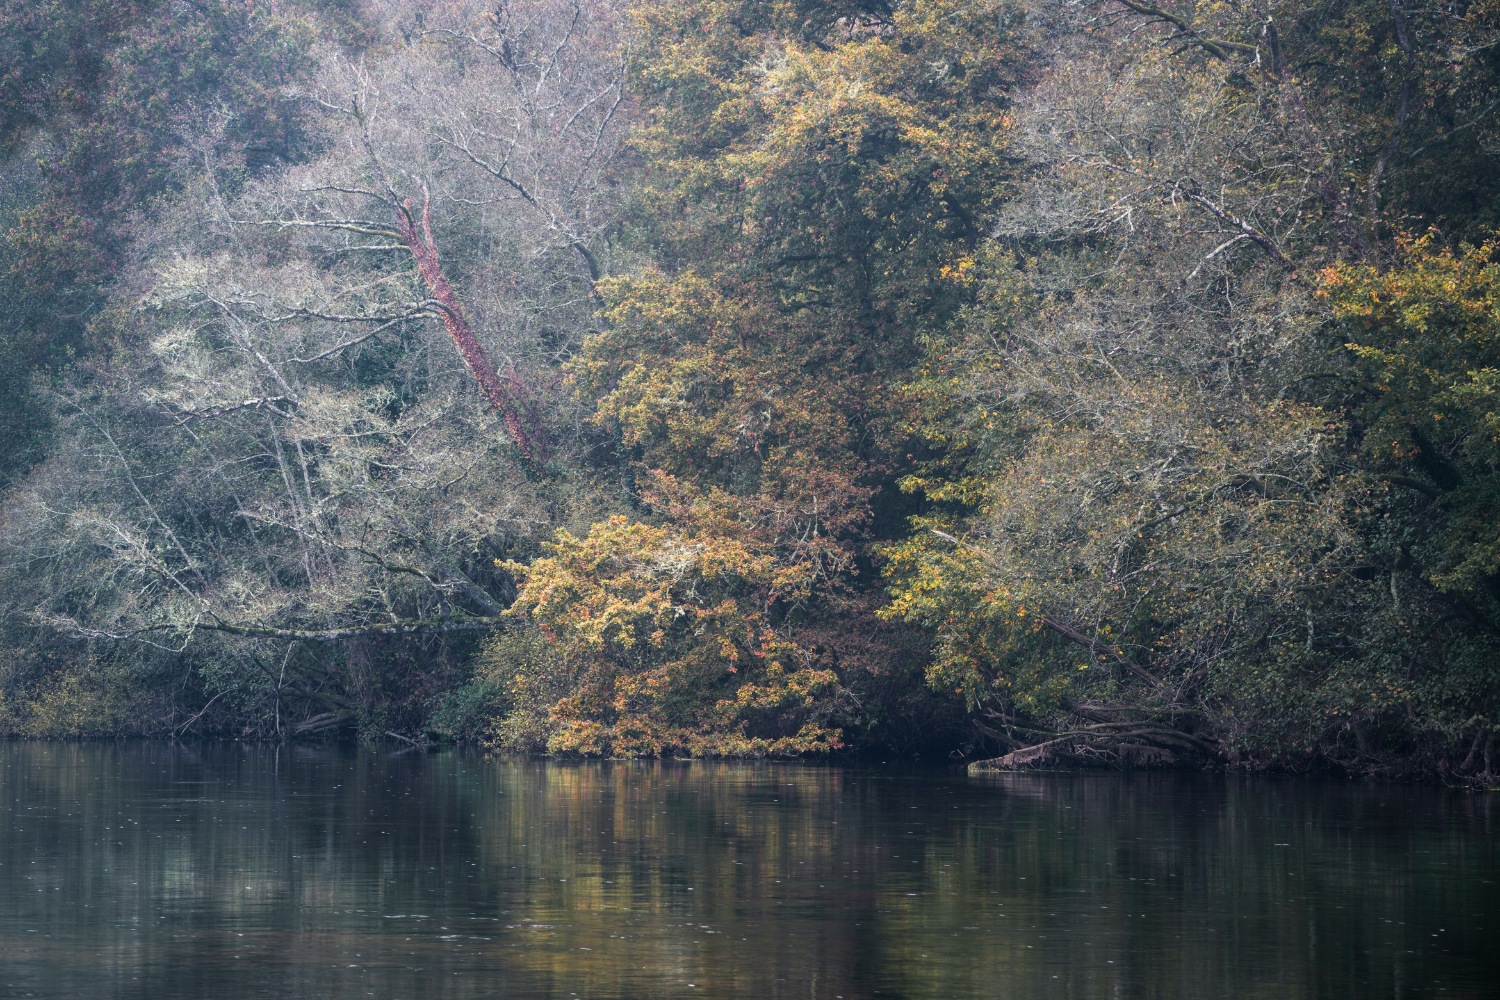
(576, 736)
(710, 666)
(960, 271)
(827, 190)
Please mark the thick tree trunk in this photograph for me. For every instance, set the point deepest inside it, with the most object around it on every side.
(507, 391)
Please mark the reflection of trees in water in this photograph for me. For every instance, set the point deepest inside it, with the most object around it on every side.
(620, 879)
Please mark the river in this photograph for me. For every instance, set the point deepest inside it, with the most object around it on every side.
(153, 871)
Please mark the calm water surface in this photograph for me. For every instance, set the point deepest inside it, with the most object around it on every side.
(163, 872)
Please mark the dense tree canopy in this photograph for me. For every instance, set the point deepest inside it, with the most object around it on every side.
(1106, 381)
(105, 108)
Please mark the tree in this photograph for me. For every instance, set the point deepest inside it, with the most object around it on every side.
(649, 647)
(283, 448)
(1425, 338)
(1153, 536)
(806, 180)
(104, 108)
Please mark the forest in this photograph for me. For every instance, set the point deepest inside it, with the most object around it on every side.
(1042, 382)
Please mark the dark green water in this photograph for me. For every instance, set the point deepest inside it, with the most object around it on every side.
(159, 872)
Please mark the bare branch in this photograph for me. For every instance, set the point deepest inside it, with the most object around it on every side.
(1259, 238)
(1219, 48)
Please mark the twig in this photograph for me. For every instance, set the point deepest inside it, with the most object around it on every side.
(176, 733)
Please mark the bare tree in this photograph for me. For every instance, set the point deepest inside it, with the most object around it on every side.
(288, 447)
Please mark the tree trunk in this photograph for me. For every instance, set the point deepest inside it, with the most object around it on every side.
(507, 392)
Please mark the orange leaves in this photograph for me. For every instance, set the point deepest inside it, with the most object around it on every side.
(816, 188)
(671, 653)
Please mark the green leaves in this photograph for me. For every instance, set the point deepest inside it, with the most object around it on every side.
(1426, 333)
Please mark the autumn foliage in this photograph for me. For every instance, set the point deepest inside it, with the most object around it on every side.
(656, 640)
(1099, 382)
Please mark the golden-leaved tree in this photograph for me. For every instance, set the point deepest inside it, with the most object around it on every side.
(811, 179)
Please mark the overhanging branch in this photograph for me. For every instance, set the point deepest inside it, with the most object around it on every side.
(415, 626)
(1067, 631)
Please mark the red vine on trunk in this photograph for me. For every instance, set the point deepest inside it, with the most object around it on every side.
(506, 391)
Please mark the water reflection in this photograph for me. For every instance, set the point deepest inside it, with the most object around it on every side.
(152, 871)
